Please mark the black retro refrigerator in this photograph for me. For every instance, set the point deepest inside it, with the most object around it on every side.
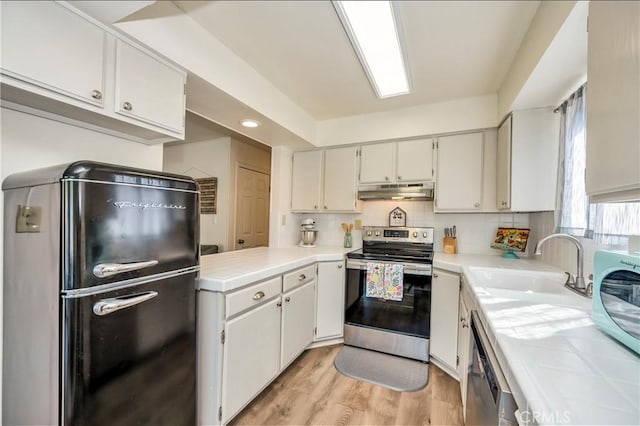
(99, 307)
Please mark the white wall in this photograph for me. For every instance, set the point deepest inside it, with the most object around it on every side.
(210, 158)
(29, 142)
(443, 117)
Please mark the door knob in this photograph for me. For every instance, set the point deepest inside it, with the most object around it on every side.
(240, 241)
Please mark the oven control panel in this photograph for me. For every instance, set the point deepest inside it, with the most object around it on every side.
(408, 235)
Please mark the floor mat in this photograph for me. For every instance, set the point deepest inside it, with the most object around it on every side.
(392, 372)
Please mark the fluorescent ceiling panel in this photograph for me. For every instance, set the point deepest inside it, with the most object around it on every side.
(373, 31)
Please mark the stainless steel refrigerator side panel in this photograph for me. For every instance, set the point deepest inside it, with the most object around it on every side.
(30, 377)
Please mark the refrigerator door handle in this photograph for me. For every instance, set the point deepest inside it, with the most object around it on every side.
(108, 269)
(107, 306)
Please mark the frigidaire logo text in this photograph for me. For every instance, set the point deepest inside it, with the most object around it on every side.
(143, 205)
(634, 266)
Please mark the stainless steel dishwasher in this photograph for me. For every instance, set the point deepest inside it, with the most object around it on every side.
(489, 399)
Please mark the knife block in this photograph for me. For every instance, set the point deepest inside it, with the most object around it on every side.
(450, 245)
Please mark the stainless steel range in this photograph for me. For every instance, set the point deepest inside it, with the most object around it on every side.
(398, 327)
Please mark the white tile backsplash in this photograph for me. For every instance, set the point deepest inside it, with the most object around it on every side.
(475, 230)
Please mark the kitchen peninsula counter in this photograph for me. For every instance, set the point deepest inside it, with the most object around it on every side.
(560, 367)
(232, 270)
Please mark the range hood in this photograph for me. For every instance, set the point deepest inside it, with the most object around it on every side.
(407, 191)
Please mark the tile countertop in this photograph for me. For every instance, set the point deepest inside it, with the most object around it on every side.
(560, 367)
(235, 269)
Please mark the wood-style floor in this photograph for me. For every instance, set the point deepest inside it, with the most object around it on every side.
(312, 392)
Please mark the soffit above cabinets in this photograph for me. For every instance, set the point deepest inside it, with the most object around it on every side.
(454, 49)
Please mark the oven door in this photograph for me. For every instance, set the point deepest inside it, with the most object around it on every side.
(398, 327)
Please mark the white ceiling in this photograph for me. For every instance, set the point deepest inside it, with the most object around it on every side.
(455, 49)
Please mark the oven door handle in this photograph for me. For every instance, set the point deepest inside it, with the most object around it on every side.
(410, 269)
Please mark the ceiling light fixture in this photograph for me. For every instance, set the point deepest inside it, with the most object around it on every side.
(250, 123)
(374, 33)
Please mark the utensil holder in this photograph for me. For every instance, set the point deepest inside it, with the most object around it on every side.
(348, 241)
(450, 245)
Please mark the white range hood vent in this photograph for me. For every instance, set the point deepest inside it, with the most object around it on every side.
(407, 191)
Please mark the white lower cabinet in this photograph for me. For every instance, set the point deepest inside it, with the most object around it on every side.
(249, 336)
(464, 343)
(251, 354)
(443, 342)
(297, 321)
(330, 300)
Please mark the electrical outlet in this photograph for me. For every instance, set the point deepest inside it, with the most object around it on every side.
(358, 225)
(29, 219)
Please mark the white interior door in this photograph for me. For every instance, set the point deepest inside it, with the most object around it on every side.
(252, 209)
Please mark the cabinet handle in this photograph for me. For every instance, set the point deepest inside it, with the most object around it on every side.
(302, 277)
(435, 275)
(315, 207)
(287, 299)
(386, 178)
(476, 205)
(399, 177)
(325, 207)
(503, 203)
(127, 106)
(96, 94)
(340, 266)
(259, 295)
(279, 304)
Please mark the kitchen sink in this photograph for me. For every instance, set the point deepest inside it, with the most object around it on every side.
(520, 280)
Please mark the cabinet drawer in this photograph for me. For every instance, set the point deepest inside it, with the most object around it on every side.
(252, 296)
(298, 277)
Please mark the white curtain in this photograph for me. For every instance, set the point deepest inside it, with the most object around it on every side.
(608, 224)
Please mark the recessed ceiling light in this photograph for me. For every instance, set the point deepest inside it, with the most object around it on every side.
(374, 34)
(250, 123)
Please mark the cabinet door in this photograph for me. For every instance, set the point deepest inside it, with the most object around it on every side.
(503, 166)
(459, 172)
(464, 336)
(340, 190)
(149, 89)
(377, 163)
(445, 293)
(251, 355)
(415, 161)
(330, 300)
(613, 102)
(306, 181)
(298, 315)
(58, 49)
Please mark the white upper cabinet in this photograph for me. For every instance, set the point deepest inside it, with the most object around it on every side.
(377, 163)
(414, 161)
(397, 162)
(459, 172)
(48, 45)
(527, 160)
(59, 61)
(613, 101)
(149, 89)
(306, 181)
(340, 168)
(325, 180)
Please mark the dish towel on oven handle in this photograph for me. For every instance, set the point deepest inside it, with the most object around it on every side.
(393, 281)
(384, 281)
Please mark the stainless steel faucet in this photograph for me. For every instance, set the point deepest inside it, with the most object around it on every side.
(576, 284)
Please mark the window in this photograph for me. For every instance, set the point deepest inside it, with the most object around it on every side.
(609, 223)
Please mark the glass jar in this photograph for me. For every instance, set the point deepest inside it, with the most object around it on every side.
(348, 241)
